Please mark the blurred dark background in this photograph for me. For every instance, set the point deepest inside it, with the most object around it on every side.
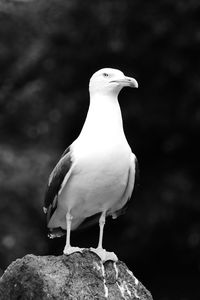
(48, 51)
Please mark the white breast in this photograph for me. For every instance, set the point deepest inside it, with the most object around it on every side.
(98, 180)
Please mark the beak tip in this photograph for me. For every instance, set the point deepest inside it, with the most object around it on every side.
(132, 82)
(135, 84)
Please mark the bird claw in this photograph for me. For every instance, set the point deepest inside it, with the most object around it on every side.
(69, 250)
(104, 255)
(111, 256)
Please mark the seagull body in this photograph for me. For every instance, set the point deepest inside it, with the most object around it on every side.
(96, 173)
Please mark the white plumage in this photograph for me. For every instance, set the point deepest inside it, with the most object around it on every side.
(96, 173)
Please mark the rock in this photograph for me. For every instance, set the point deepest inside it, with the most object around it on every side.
(77, 276)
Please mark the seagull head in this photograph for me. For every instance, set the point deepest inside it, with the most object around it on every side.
(110, 81)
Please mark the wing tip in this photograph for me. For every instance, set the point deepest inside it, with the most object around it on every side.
(56, 232)
(45, 210)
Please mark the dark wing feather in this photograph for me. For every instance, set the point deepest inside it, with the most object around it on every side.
(55, 182)
(67, 150)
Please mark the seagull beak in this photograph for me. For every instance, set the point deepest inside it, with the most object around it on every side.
(127, 81)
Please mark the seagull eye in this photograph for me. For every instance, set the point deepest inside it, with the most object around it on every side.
(105, 74)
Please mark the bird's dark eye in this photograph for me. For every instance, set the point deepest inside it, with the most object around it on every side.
(105, 74)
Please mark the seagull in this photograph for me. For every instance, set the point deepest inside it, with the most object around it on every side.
(96, 173)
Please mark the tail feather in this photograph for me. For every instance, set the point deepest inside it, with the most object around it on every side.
(56, 232)
(57, 225)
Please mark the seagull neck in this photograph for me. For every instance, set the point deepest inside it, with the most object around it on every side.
(104, 101)
(104, 114)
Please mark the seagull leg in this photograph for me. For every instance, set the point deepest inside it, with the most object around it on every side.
(102, 222)
(68, 222)
(68, 248)
(102, 253)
